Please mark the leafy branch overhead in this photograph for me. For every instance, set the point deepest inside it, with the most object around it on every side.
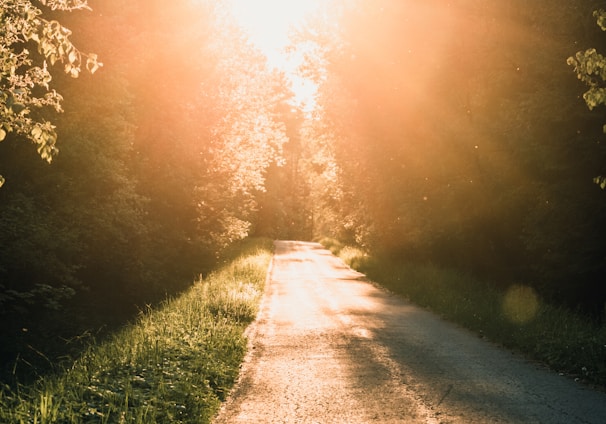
(25, 80)
(590, 67)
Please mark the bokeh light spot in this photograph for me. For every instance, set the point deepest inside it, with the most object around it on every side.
(520, 304)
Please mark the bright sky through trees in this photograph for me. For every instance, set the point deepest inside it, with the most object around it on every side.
(268, 24)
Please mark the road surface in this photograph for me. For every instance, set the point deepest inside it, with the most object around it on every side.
(329, 347)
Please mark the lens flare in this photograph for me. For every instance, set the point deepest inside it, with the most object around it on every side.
(520, 304)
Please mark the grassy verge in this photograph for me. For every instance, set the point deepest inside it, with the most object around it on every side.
(174, 365)
(515, 318)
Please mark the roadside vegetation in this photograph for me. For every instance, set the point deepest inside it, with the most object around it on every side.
(514, 316)
(440, 149)
(175, 364)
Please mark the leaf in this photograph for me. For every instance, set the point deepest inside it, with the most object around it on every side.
(601, 181)
(73, 56)
(600, 16)
(37, 133)
(91, 63)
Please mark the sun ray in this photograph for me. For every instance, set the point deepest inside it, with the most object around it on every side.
(268, 25)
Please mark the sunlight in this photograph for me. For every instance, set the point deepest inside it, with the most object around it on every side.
(268, 24)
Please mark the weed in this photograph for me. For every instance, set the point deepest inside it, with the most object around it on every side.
(175, 364)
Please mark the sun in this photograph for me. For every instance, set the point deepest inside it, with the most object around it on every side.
(269, 22)
(268, 25)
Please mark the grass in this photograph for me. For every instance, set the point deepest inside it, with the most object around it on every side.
(175, 364)
(516, 318)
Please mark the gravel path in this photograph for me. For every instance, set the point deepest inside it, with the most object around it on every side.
(328, 347)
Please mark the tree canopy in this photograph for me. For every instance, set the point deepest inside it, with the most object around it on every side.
(165, 155)
(462, 143)
(25, 86)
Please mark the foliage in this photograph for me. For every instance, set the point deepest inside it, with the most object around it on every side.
(286, 206)
(209, 139)
(479, 165)
(439, 149)
(24, 75)
(332, 244)
(590, 67)
(165, 158)
(175, 364)
(70, 228)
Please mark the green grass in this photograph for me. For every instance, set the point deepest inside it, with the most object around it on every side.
(332, 244)
(174, 365)
(516, 318)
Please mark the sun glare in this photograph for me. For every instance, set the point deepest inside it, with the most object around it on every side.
(268, 24)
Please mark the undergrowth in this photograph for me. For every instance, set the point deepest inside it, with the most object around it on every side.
(516, 318)
(175, 364)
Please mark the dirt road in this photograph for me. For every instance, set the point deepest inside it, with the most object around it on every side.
(329, 347)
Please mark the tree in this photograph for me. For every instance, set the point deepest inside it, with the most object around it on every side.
(207, 125)
(590, 67)
(453, 151)
(25, 78)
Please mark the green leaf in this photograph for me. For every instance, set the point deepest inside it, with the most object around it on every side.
(37, 133)
(600, 16)
(601, 181)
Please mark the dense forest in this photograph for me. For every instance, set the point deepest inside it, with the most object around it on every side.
(461, 138)
(451, 133)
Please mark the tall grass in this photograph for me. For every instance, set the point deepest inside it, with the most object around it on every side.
(174, 365)
(516, 318)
